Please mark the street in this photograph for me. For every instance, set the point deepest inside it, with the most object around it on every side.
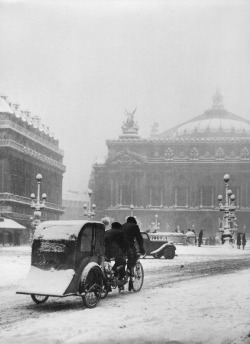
(166, 282)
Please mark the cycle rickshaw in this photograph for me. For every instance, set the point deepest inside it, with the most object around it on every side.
(68, 259)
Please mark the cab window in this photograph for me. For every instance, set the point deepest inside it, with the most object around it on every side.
(86, 240)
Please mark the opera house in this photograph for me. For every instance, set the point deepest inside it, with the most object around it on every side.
(177, 175)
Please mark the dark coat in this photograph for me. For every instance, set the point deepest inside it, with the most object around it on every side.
(238, 239)
(244, 240)
(132, 232)
(115, 239)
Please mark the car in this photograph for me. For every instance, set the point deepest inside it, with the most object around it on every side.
(157, 245)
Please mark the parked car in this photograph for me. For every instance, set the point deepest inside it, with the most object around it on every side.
(157, 245)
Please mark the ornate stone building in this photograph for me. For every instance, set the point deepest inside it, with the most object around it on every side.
(177, 174)
(27, 148)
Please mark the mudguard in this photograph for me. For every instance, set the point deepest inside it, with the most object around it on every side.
(161, 249)
(168, 250)
(87, 269)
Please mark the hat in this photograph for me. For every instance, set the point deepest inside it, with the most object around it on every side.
(116, 225)
(131, 219)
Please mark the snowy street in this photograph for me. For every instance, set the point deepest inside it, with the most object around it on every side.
(206, 301)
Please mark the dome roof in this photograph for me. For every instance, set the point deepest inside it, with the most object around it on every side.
(214, 122)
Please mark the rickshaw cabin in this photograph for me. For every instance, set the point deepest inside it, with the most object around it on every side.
(60, 252)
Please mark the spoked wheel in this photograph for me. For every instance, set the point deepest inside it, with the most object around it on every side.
(92, 287)
(104, 291)
(169, 253)
(138, 277)
(39, 298)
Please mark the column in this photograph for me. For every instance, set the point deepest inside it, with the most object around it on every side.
(120, 196)
(201, 197)
(212, 203)
(150, 196)
(111, 192)
(238, 197)
(187, 197)
(175, 197)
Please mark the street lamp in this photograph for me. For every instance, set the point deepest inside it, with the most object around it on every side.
(37, 204)
(131, 210)
(229, 219)
(157, 224)
(89, 209)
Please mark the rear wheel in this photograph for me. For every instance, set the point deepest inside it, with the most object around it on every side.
(169, 253)
(39, 298)
(138, 277)
(104, 291)
(92, 287)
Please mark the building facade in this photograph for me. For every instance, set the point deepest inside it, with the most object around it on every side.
(177, 175)
(27, 148)
(73, 203)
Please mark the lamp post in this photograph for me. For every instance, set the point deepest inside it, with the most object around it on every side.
(156, 224)
(131, 210)
(229, 219)
(89, 209)
(37, 204)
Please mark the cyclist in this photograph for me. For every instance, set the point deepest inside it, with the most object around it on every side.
(132, 233)
(115, 247)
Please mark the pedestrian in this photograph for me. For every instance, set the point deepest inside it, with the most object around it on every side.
(132, 233)
(238, 241)
(1, 238)
(200, 238)
(243, 241)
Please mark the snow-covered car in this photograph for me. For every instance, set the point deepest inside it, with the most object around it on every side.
(66, 259)
(157, 245)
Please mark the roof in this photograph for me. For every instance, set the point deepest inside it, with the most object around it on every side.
(10, 224)
(14, 109)
(61, 230)
(4, 106)
(214, 122)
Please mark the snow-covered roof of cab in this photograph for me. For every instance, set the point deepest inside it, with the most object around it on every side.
(61, 230)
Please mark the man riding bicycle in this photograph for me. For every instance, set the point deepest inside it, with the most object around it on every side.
(116, 247)
(132, 233)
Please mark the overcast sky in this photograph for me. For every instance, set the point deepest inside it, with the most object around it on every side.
(79, 64)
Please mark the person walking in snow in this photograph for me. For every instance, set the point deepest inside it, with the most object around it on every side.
(243, 241)
(200, 238)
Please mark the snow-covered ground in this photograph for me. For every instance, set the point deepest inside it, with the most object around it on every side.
(213, 309)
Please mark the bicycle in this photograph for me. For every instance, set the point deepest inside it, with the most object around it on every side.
(112, 279)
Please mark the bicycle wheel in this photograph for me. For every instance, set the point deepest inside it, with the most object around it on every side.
(138, 277)
(39, 298)
(92, 288)
(104, 291)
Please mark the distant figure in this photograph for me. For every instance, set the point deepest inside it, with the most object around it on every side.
(200, 238)
(1, 238)
(222, 239)
(176, 230)
(243, 241)
(238, 242)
